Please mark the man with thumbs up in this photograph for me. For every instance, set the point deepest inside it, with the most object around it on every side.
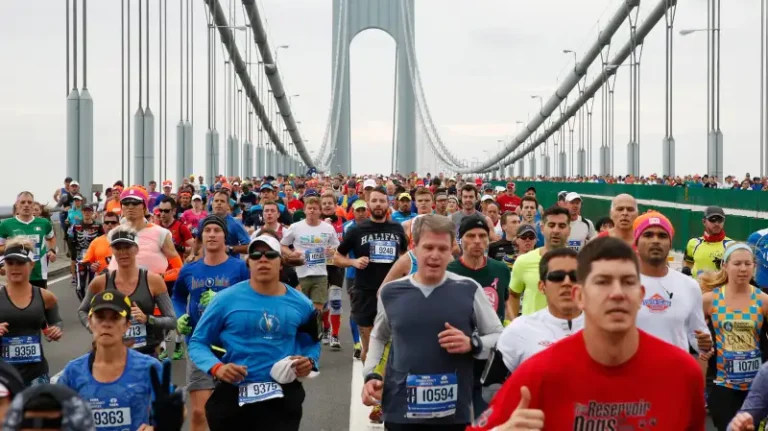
(611, 375)
(438, 323)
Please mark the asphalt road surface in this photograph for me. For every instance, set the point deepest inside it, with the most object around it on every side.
(330, 405)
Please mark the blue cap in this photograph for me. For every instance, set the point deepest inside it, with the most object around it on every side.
(311, 192)
(266, 186)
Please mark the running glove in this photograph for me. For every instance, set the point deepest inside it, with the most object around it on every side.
(207, 297)
(182, 325)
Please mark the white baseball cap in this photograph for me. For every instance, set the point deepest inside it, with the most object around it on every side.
(369, 183)
(486, 198)
(268, 240)
(572, 196)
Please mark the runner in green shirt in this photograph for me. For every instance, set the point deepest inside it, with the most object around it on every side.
(37, 230)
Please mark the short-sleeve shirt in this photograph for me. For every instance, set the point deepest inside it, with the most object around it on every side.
(312, 242)
(525, 281)
(382, 243)
(37, 230)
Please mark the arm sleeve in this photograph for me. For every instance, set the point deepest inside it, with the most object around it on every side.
(85, 307)
(380, 335)
(180, 294)
(756, 403)
(695, 321)
(489, 326)
(206, 335)
(168, 318)
(52, 316)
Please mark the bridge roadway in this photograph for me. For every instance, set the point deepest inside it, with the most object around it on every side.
(332, 402)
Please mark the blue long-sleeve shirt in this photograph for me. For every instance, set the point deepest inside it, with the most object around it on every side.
(197, 277)
(256, 330)
(756, 403)
(350, 272)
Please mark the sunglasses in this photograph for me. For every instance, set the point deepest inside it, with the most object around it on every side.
(164, 211)
(559, 276)
(130, 203)
(528, 237)
(715, 219)
(108, 222)
(269, 254)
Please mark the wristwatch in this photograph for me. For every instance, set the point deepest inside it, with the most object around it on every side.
(151, 320)
(314, 366)
(477, 344)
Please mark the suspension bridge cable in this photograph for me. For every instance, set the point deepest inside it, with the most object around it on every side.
(128, 95)
(122, 82)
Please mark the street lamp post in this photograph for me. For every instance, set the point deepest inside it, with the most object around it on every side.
(668, 144)
(277, 50)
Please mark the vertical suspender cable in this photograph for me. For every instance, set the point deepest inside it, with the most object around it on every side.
(191, 7)
(187, 59)
(85, 44)
(165, 89)
(128, 97)
(122, 86)
(208, 20)
(148, 92)
(160, 86)
(181, 61)
(67, 49)
(141, 66)
(74, 44)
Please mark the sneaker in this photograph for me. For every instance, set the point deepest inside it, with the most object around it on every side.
(326, 337)
(358, 351)
(163, 355)
(376, 415)
(335, 345)
(178, 352)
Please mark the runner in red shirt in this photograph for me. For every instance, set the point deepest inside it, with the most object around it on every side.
(509, 201)
(615, 376)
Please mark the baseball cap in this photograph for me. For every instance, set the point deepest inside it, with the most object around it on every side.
(121, 236)
(351, 183)
(88, 207)
(197, 198)
(11, 382)
(472, 222)
(714, 211)
(369, 183)
(167, 183)
(77, 197)
(111, 300)
(561, 196)
(75, 413)
(266, 239)
(311, 193)
(134, 193)
(74, 183)
(266, 186)
(572, 196)
(18, 253)
(359, 204)
(402, 196)
(524, 229)
(486, 198)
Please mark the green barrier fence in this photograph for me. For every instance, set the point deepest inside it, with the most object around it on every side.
(747, 211)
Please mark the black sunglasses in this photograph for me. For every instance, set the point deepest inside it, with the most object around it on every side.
(109, 222)
(559, 276)
(164, 211)
(528, 236)
(269, 254)
(715, 219)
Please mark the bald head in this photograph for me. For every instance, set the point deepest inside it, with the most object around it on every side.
(623, 211)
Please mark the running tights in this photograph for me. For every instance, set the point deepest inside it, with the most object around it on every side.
(724, 403)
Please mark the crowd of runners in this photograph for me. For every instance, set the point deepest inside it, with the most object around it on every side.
(472, 307)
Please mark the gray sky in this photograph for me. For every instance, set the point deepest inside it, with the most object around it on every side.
(480, 62)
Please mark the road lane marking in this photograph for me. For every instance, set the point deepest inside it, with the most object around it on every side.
(358, 412)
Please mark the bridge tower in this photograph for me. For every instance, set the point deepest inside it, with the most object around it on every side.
(388, 16)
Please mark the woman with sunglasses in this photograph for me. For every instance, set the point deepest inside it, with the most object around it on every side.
(737, 311)
(271, 334)
(145, 290)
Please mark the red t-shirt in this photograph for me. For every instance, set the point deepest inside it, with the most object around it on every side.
(660, 388)
(508, 203)
(295, 204)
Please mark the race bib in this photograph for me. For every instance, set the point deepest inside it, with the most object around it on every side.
(138, 333)
(741, 356)
(24, 349)
(112, 418)
(258, 392)
(383, 251)
(36, 249)
(315, 257)
(431, 395)
(574, 244)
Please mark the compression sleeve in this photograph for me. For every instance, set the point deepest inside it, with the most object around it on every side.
(85, 307)
(168, 318)
(756, 403)
(489, 326)
(175, 263)
(52, 316)
(379, 337)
